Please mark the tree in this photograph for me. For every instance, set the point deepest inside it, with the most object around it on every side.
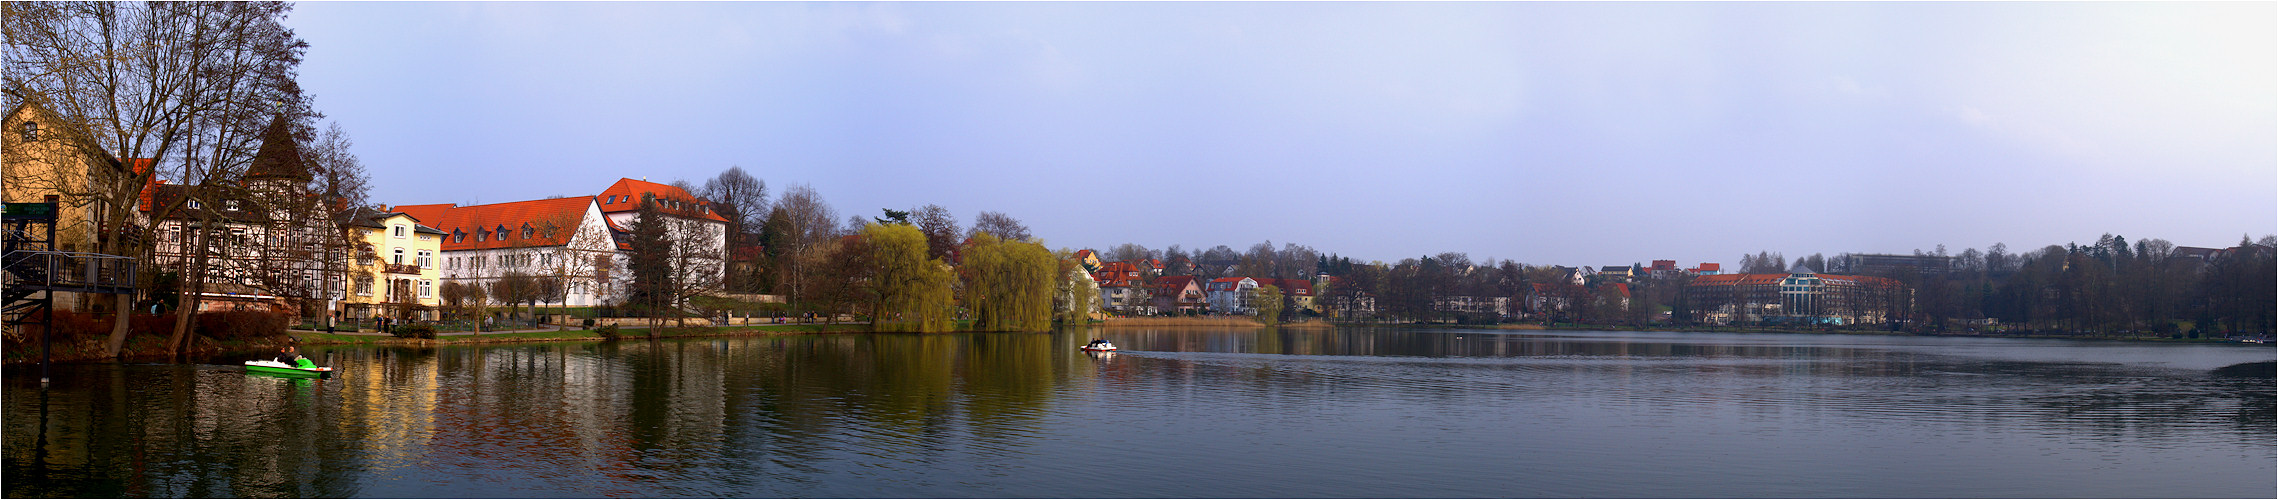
(463, 300)
(742, 200)
(515, 287)
(1267, 300)
(897, 217)
(774, 241)
(180, 90)
(1009, 285)
(807, 222)
(940, 228)
(1001, 225)
(910, 292)
(650, 243)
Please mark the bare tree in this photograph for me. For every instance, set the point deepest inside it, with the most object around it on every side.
(185, 87)
(1001, 225)
(940, 228)
(742, 200)
(808, 222)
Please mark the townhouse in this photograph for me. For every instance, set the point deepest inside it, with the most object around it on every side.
(394, 274)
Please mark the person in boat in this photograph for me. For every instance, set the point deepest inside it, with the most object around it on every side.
(289, 355)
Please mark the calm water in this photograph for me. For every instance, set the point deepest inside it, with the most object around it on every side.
(1181, 413)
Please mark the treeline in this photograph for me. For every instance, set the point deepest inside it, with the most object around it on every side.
(911, 270)
(2110, 287)
(2107, 287)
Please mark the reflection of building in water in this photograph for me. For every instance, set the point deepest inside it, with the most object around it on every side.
(1801, 296)
(395, 401)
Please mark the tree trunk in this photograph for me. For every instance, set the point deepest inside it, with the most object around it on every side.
(120, 326)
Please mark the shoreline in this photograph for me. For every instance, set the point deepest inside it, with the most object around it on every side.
(145, 348)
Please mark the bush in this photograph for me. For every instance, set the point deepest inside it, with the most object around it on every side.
(242, 324)
(607, 332)
(588, 323)
(413, 332)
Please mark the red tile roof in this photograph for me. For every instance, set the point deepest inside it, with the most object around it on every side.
(626, 195)
(563, 214)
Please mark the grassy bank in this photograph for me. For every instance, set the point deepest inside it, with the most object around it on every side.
(581, 335)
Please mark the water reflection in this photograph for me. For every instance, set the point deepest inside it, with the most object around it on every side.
(1329, 413)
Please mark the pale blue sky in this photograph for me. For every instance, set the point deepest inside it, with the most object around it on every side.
(1548, 133)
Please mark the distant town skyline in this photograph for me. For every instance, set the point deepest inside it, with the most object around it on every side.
(1547, 133)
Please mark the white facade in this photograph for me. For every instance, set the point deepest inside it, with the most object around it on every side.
(588, 284)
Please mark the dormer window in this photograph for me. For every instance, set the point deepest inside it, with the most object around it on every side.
(501, 232)
(458, 236)
(230, 205)
(194, 205)
(526, 231)
(31, 131)
(480, 236)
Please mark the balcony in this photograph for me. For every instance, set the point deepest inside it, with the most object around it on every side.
(402, 269)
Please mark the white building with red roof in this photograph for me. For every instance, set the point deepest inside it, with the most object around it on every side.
(566, 238)
(582, 240)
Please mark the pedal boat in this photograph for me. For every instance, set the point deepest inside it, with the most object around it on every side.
(266, 367)
(1099, 346)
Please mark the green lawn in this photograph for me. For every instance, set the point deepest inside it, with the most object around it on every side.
(574, 335)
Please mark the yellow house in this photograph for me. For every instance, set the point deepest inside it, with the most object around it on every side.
(43, 158)
(391, 269)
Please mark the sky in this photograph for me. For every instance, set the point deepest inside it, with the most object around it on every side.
(1547, 133)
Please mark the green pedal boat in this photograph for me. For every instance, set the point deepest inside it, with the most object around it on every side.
(304, 369)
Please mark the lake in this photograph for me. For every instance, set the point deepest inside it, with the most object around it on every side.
(1197, 412)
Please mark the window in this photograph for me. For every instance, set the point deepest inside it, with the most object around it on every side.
(31, 131)
(426, 288)
(479, 235)
(194, 205)
(426, 259)
(399, 230)
(365, 257)
(364, 286)
(501, 232)
(230, 205)
(612, 199)
(526, 231)
(398, 256)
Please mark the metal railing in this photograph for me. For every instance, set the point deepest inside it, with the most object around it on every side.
(69, 270)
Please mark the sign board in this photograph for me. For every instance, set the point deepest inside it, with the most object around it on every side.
(31, 211)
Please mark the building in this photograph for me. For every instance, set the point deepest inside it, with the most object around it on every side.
(1707, 269)
(1300, 292)
(1665, 269)
(1619, 271)
(1230, 295)
(581, 241)
(700, 234)
(41, 157)
(1122, 288)
(1181, 294)
(264, 243)
(565, 238)
(394, 271)
(44, 160)
(1802, 296)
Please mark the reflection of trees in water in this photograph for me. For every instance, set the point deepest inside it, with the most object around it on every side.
(177, 431)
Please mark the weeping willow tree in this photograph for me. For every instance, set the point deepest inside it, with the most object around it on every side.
(1266, 300)
(1009, 284)
(1077, 296)
(910, 291)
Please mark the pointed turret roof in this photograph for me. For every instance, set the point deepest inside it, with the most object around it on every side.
(1802, 268)
(280, 155)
